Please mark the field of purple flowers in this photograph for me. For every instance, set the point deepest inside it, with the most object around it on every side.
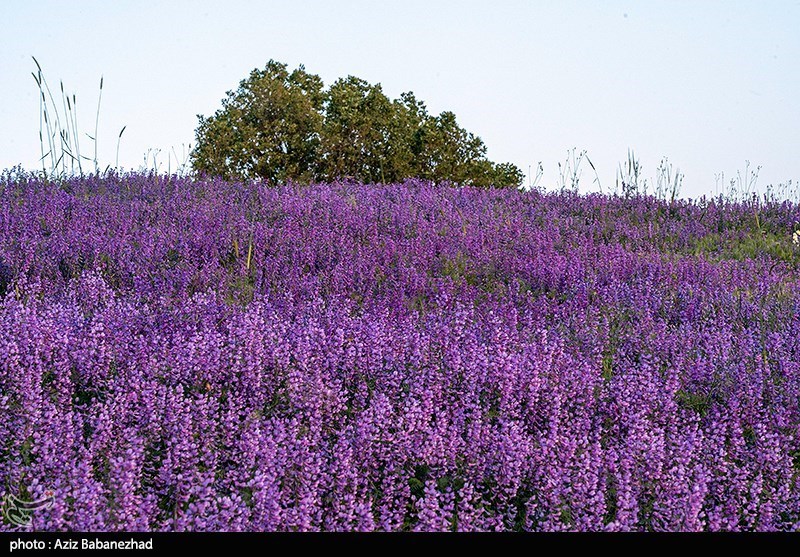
(180, 354)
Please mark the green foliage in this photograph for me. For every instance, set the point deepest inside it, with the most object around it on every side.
(461, 268)
(697, 402)
(358, 131)
(268, 128)
(282, 125)
(756, 244)
(505, 175)
(607, 367)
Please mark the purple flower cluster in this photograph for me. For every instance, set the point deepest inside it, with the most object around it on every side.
(180, 354)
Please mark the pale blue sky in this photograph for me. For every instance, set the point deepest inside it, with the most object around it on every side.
(708, 84)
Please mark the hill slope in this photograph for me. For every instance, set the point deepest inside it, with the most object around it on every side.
(180, 354)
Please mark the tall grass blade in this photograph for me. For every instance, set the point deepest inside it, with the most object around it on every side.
(119, 138)
(97, 123)
(76, 134)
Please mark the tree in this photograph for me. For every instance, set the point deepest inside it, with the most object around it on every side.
(369, 137)
(285, 126)
(448, 151)
(357, 131)
(505, 175)
(268, 128)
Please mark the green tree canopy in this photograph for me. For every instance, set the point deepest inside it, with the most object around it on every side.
(283, 125)
(268, 128)
(357, 131)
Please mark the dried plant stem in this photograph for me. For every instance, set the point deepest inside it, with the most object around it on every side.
(97, 123)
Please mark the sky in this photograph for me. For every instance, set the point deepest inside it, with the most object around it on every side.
(707, 84)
